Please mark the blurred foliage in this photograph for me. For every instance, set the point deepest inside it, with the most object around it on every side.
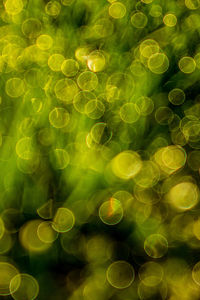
(99, 149)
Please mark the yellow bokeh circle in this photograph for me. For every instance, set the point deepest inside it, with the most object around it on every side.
(187, 65)
(24, 148)
(81, 100)
(126, 164)
(55, 62)
(70, 67)
(129, 113)
(170, 20)
(94, 109)
(139, 20)
(87, 81)
(196, 273)
(156, 245)
(184, 196)
(96, 61)
(29, 239)
(120, 274)
(60, 159)
(46, 233)
(44, 42)
(24, 286)
(145, 105)
(31, 28)
(176, 96)
(149, 47)
(59, 117)
(151, 274)
(7, 273)
(158, 63)
(148, 175)
(15, 87)
(192, 4)
(117, 10)
(53, 8)
(65, 89)
(63, 220)
(111, 211)
(13, 7)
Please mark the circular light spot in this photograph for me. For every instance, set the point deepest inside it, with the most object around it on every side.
(146, 195)
(126, 164)
(137, 68)
(60, 159)
(87, 81)
(184, 195)
(53, 8)
(164, 115)
(156, 11)
(96, 61)
(24, 148)
(46, 233)
(28, 236)
(70, 67)
(129, 113)
(100, 133)
(196, 273)
(193, 160)
(192, 4)
(81, 100)
(24, 286)
(191, 130)
(170, 20)
(44, 42)
(63, 220)
(149, 47)
(176, 96)
(151, 274)
(59, 117)
(111, 212)
(119, 86)
(94, 109)
(187, 64)
(13, 7)
(11, 219)
(145, 105)
(55, 62)
(65, 90)
(158, 63)
(148, 175)
(156, 245)
(31, 28)
(15, 87)
(120, 274)
(173, 157)
(7, 272)
(117, 10)
(139, 20)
